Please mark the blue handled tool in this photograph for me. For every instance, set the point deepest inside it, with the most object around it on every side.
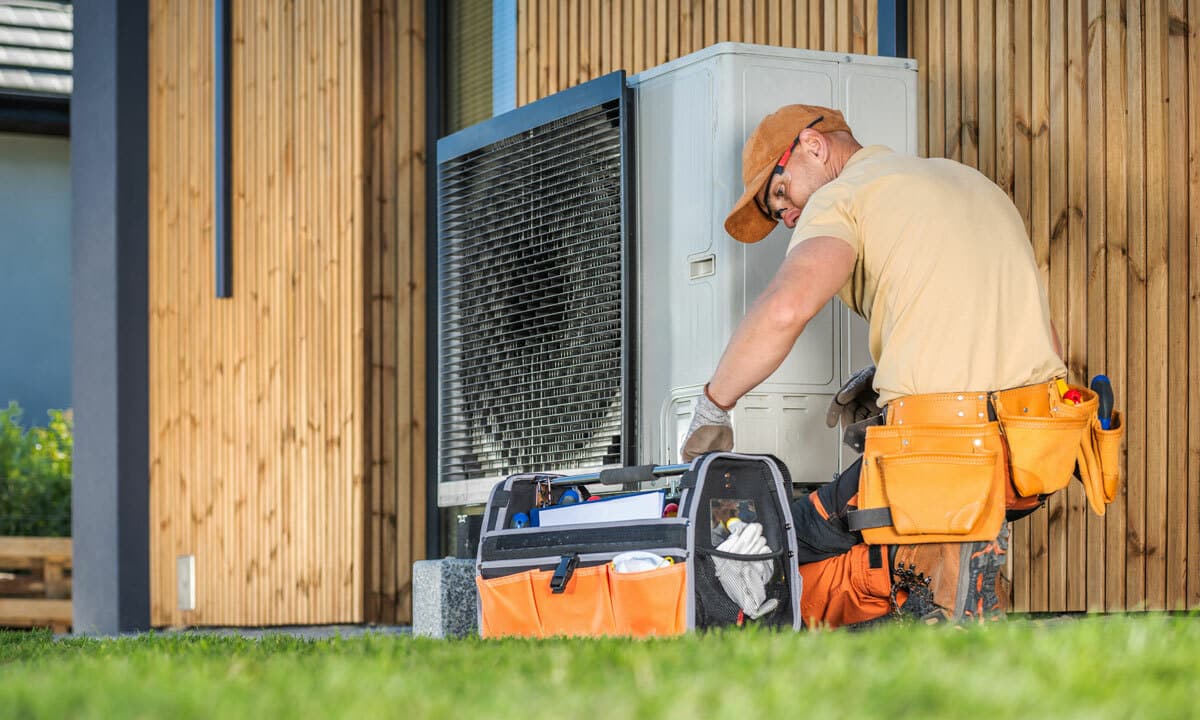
(1103, 389)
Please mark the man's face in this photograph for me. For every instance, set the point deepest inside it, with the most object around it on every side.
(805, 171)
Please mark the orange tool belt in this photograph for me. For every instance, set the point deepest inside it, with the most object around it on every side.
(945, 466)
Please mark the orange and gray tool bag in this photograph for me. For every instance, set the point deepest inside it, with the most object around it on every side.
(657, 576)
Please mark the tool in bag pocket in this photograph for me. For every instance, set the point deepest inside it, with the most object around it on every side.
(560, 580)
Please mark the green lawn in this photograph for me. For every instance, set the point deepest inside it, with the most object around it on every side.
(1118, 667)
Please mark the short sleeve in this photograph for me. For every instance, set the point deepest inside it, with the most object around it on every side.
(828, 213)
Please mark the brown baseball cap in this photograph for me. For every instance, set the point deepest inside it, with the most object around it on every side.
(771, 139)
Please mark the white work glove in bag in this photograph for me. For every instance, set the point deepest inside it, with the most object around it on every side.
(745, 581)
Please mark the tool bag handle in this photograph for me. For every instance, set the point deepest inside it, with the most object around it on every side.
(621, 476)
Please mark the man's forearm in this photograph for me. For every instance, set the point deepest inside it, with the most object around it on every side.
(757, 349)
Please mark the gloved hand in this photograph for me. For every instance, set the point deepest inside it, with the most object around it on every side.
(710, 430)
(745, 581)
(855, 401)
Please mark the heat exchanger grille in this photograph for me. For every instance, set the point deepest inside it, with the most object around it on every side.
(533, 315)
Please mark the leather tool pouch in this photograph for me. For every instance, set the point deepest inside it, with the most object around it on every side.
(1099, 458)
(1043, 434)
(926, 483)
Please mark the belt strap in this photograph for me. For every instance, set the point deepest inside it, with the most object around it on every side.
(858, 520)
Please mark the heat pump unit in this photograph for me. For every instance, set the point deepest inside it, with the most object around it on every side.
(587, 286)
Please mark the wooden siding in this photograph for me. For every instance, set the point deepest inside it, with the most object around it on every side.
(395, 219)
(258, 435)
(562, 44)
(1087, 112)
(1084, 111)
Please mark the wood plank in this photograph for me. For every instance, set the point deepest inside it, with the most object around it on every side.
(986, 114)
(1159, 394)
(1005, 97)
(773, 25)
(710, 22)
(1030, 568)
(816, 25)
(1193, 394)
(1097, 293)
(788, 16)
(550, 49)
(837, 28)
(970, 83)
(872, 39)
(399, 503)
(696, 15)
(673, 28)
(1135, 433)
(1176, 501)
(543, 57)
(616, 40)
(800, 25)
(661, 32)
(1115, 145)
(522, 50)
(952, 67)
(735, 21)
(1078, 361)
(572, 38)
(35, 547)
(920, 50)
(937, 81)
(1059, 572)
(639, 36)
(24, 612)
(418, 549)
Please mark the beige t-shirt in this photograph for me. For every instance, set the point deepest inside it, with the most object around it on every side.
(945, 274)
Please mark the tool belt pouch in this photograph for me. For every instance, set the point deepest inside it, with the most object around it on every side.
(1043, 434)
(930, 483)
(1099, 462)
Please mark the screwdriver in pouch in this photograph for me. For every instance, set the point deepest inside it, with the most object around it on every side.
(1103, 389)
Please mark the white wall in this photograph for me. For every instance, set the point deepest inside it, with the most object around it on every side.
(35, 273)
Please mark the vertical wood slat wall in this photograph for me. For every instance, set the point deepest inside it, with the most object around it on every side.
(257, 429)
(1086, 112)
(563, 43)
(394, 187)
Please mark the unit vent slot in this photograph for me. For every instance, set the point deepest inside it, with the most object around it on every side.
(533, 270)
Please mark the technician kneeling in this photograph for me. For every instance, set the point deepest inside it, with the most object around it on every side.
(935, 256)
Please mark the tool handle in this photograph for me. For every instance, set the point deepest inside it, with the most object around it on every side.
(1104, 392)
(621, 476)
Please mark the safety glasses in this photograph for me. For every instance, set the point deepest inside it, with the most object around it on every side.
(764, 205)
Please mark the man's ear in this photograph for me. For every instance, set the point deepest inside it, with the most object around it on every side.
(815, 144)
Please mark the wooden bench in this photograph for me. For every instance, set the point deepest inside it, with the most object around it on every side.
(35, 582)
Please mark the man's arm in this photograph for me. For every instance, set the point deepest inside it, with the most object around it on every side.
(810, 275)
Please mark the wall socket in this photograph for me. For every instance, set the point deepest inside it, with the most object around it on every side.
(185, 581)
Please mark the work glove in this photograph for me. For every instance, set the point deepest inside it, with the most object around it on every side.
(745, 581)
(855, 401)
(710, 430)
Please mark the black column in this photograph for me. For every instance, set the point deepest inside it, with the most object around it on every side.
(110, 492)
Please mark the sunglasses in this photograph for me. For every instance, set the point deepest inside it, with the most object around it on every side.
(764, 205)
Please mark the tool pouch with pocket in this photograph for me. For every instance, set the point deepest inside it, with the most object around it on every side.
(1099, 462)
(560, 580)
(1047, 437)
(926, 483)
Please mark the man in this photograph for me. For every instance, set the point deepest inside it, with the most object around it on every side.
(936, 258)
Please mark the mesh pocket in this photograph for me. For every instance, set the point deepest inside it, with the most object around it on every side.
(714, 606)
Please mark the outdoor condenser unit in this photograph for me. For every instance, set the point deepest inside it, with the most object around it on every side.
(587, 286)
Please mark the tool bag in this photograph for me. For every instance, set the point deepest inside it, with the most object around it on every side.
(560, 580)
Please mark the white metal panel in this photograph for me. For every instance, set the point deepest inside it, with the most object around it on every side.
(694, 115)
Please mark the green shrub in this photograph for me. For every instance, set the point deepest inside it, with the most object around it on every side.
(35, 474)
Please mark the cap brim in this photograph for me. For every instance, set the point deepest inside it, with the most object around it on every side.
(746, 222)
